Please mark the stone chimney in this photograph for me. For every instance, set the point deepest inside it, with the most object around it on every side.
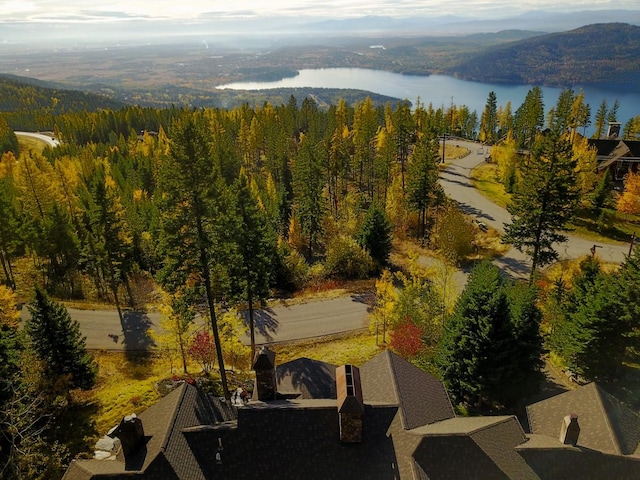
(264, 364)
(350, 404)
(131, 434)
(570, 430)
(614, 130)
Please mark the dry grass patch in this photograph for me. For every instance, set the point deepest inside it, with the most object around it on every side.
(353, 348)
(126, 386)
(483, 178)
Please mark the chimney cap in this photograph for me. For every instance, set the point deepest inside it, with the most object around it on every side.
(265, 359)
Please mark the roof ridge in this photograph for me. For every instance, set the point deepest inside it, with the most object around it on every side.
(506, 418)
(396, 387)
(174, 417)
(605, 413)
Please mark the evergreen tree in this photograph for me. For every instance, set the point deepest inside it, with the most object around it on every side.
(57, 340)
(193, 222)
(491, 348)
(422, 181)
(375, 235)
(593, 333)
(529, 118)
(476, 351)
(544, 202)
(489, 120)
(308, 185)
(600, 120)
(253, 252)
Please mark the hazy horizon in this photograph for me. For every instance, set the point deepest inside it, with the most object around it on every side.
(34, 21)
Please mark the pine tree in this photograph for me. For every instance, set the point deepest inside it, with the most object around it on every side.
(252, 253)
(489, 120)
(57, 340)
(193, 223)
(375, 235)
(422, 181)
(600, 120)
(491, 348)
(475, 353)
(529, 118)
(593, 333)
(545, 201)
(308, 185)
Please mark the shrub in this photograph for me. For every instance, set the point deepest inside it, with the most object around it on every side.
(347, 259)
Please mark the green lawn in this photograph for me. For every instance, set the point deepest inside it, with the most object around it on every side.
(610, 227)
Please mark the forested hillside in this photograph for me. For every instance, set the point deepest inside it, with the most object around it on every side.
(23, 100)
(602, 54)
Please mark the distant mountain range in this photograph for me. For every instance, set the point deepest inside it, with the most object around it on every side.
(273, 29)
(599, 54)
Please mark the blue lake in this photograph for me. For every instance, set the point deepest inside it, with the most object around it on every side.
(441, 90)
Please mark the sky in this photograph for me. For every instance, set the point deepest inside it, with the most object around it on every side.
(103, 11)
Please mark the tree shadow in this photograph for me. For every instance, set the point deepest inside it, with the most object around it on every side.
(307, 378)
(515, 268)
(136, 339)
(264, 323)
(473, 211)
(368, 298)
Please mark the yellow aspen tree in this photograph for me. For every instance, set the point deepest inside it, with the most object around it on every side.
(629, 201)
(382, 316)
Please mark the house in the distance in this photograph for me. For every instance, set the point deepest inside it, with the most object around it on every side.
(616, 155)
(384, 420)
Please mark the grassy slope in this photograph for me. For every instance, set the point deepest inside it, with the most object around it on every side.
(585, 223)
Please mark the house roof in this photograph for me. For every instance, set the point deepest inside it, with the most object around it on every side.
(388, 378)
(486, 443)
(605, 423)
(609, 151)
(165, 448)
(409, 431)
(306, 378)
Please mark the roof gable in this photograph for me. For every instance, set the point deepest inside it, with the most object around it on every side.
(485, 443)
(605, 423)
(388, 378)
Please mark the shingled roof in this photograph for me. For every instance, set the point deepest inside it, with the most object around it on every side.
(409, 431)
(606, 424)
(388, 378)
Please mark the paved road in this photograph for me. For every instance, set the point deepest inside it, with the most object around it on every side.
(280, 323)
(456, 184)
(40, 136)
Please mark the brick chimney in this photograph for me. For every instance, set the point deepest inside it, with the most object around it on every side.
(264, 364)
(350, 404)
(570, 430)
(131, 434)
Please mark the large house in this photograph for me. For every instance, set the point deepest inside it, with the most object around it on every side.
(384, 420)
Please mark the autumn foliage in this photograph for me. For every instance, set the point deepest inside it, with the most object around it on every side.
(406, 339)
(629, 201)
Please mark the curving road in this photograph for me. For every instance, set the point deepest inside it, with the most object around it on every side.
(48, 139)
(457, 185)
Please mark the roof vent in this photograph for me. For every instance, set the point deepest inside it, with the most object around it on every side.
(570, 430)
(350, 404)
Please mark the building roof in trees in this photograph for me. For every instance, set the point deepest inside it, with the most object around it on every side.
(610, 151)
(409, 431)
(606, 424)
